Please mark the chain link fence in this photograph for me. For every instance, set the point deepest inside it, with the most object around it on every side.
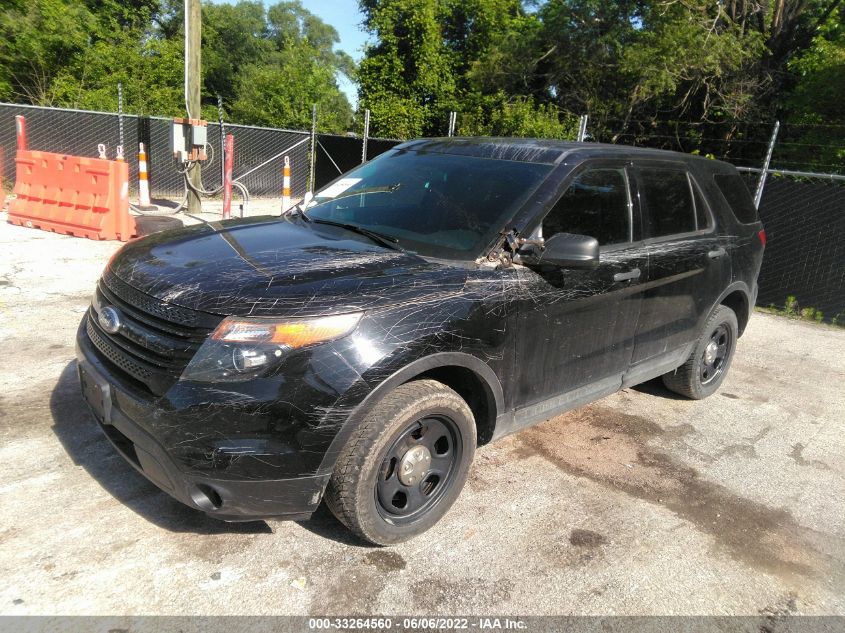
(804, 214)
(804, 218)
(808, 147)
(338, 154)
(73, 132)
(258, 157)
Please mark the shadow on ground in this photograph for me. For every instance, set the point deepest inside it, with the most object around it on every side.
(324, 524)
(655, 387)
(83, 440)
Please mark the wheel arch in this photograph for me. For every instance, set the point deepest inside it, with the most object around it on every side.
(467, 375)
(737, 298)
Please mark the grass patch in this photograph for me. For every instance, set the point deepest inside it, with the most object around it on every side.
(792, 310)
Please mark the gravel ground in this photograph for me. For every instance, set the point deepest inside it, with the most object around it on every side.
(642, 503)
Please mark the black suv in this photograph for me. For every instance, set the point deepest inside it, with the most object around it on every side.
(445, 294)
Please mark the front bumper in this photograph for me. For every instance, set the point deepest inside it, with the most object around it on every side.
(126, 419)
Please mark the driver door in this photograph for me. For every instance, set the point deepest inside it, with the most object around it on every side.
(577, 326)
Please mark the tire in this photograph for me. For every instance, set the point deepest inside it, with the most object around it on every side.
(696, 378)
(371, 493)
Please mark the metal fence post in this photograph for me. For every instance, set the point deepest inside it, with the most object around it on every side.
(366, 134)
(313, 158)
(20, 131)
(222, 139)
(582, 128)
(119, 121)
(758, 195)
(228, 161)
(453, 117)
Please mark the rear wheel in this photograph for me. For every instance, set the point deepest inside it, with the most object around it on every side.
(405, 465)
(710, 359)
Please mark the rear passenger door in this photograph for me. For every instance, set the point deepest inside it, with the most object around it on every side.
(688, 263)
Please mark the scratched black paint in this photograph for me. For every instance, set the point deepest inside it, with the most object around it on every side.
(519, 342)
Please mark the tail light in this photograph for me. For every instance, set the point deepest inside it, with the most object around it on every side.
(762, 235)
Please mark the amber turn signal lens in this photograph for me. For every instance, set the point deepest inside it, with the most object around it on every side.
(293, 334)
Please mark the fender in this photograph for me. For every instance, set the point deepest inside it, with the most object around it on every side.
(403, 375)
(733, 287)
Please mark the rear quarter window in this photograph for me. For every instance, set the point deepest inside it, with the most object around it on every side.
(739, 198)
(668, 197)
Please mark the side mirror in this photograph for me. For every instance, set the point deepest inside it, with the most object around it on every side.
(566, 250)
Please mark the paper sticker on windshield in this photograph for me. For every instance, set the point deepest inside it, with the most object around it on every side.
(338, 188)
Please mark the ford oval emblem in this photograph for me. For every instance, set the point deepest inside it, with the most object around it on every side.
(109, 319)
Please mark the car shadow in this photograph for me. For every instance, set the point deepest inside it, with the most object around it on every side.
(83, 440)
(324, 524)
(655, 387)
(165, 204)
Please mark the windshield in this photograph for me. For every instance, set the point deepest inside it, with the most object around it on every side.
(437, 205)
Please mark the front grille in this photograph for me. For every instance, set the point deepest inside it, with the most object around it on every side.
(113, 353)
(151, 305)
(156, 339)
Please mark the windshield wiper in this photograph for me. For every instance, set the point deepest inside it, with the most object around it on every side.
(298, 210)
(360, 192)
(380, 238)
(301, 207)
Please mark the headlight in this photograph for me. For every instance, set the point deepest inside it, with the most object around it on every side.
(242, 348)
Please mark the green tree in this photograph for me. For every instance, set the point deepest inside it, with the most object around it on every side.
(817, 102)
(300, 68)
(282, 92)
(38, 42)
(499, 115)
(654, 68)
(269, 66)
(819, 94)
(233, 36)
(438, 55)
(406, 79)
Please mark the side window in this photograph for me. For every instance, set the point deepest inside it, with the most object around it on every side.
(668, 197)
(702, 215)
(595, 204)
(736, 193)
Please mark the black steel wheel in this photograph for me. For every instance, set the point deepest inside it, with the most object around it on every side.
(418, 468)
(710, 359)
(404, 464)
(715, 354)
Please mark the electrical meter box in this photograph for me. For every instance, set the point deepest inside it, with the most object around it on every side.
(188, 138)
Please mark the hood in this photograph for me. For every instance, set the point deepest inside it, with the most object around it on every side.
(274, 267)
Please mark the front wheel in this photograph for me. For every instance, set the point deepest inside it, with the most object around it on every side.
(405, 464)
(710, 359)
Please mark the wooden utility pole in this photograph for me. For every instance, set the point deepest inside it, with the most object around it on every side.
(193, 30)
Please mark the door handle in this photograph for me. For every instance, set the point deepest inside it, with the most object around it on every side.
(631, 274)
(716, 254)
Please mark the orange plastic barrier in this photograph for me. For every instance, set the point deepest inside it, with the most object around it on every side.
(74, 195)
